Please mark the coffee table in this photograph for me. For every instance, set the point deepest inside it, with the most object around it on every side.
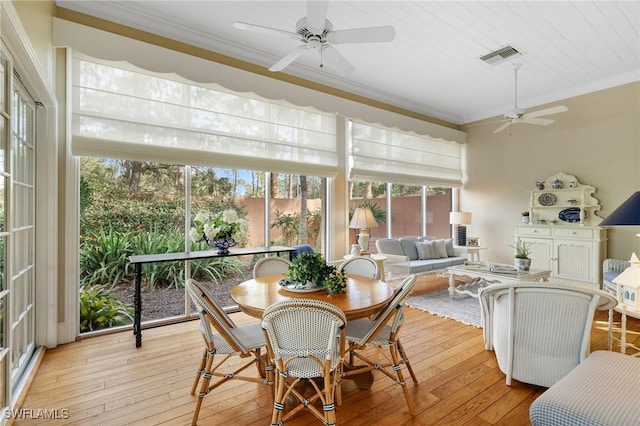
(483, 276)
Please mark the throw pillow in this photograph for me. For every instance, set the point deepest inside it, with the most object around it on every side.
(441, 249)
(448, 243)
(425, 250)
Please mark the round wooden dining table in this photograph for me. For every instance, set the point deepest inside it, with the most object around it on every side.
(363, 297)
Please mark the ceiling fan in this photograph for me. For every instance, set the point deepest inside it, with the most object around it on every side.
(316, 33)
(519, 115)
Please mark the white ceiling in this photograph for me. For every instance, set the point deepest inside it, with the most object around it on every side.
(432, 67)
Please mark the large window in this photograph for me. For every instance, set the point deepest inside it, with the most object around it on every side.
(157, 149)
(131, 207)
(415, 210)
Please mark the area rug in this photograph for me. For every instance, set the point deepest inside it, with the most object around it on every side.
(462, 308)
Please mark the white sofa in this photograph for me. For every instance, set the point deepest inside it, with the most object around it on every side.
(422, 259)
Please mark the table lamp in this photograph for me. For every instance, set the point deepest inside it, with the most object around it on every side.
(459, 219)
(363, 219)
(628, 282)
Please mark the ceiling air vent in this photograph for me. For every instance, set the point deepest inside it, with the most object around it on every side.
(501, 55)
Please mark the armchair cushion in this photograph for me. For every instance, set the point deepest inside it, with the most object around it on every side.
(603, 390)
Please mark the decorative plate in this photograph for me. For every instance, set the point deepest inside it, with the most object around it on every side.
(297, 288)
(571, 215)
(547, 199)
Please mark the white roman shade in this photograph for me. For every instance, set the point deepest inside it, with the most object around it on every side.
(381, 154)
(121, 111)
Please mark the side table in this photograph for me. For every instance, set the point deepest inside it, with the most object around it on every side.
(624, 312)
(473, 252)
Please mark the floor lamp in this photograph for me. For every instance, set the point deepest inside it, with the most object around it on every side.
(459, 219)
(363, 219)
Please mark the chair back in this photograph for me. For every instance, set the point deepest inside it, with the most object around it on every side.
(360, 265)
(270, 266)
(540, 331)
(392, 310)
(212, 314)
(312, 331)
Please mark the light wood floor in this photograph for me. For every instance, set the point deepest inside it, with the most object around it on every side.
(105, 380)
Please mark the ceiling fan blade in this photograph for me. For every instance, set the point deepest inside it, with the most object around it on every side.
(546, 111)
(504, 126)
(289, 58)
(336, 61)
(363, 35)
(264, 30)
(538, 121)
(316, 15)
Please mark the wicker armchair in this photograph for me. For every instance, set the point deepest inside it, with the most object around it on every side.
(540, 331)
(270, 266)
(226, 342)
(381, 331)
(611, 268)
(306, 341)
(360, 265)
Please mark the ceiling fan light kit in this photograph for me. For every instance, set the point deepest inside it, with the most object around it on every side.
(317, 34)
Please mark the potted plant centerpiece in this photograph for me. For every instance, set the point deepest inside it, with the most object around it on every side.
(523, 250)
(310, 270)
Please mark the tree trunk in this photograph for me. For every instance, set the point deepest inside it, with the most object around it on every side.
(135, 173)
(273, 185)
(368, 190)
(302, 234)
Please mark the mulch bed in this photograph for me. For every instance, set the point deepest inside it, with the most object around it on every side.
(161, 303)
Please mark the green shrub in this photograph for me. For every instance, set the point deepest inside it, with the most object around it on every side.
(104, 257)
(99, 309)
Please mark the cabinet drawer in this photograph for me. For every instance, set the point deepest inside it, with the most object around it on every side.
(573, 233)
(533, 230)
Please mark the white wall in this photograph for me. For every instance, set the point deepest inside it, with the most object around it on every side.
(597, 140)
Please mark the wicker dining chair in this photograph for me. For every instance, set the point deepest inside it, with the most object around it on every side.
(360, 265)
(381, 330)
(230, 341)
(306, 342)
(270, 266)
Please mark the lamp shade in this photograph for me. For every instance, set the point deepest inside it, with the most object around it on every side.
(627, 214)
(363, 218)
(460, 218)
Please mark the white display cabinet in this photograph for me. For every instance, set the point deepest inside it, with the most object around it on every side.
(563, 231)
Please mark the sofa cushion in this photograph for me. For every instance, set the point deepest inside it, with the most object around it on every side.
(448, 243)
(409, 247)
(389, 246)
(426, 250)
(394, 247)
(441, 249)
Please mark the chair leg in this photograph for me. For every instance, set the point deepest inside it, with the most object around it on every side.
(405, 359)
(398, 369)
(328, 405)
(278, 401)
(199, 373)
(204, 388)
